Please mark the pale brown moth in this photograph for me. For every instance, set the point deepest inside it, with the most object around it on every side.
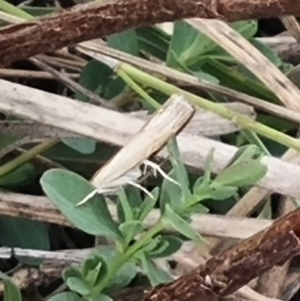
(123, 168)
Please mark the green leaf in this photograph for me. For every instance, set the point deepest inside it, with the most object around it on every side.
(150, 246)
(11, 291)
(130, 229)
(134, 196)
(125, 41)
(130, 201)
(214, 192)
(77, 285)
(244, 153)
(71, 272)
(267, 51)
(78, 162)
(169, 245)
(153, 41)
(148, 204)
(90, 264)
(197, 208)
(124, 276)
(15, 11)
(246, 28)
(253, 138)
(190, 45)
(185, 43)
(154, 246)
(177, 163)
(155, 275)
(160, 247)
(23, 175)
(235, 80)
(94, 77)
(101, 297)
(199, 182)
(26, 234)
(38, 11)
(66, 296)
(206, 77)
(170, 193)
(65, 189)
(82, 145)
(125, 212)
(6, 141)
(171, 218)
(208, 168)
(114, 88)
(177, 64)
(179, 168)
(278, 124)
(93, 271)
(244, 173)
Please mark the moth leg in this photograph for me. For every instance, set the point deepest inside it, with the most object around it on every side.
(156, 167)
(144, 169)
(87, 198)
(141, 188)
(148, 163)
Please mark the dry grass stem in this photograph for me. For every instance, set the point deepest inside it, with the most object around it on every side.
(83, 119)
(40, 209)
(292, 25)
(189, 81)
(14, 73)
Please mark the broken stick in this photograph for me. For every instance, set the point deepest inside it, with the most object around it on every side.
(228, 271)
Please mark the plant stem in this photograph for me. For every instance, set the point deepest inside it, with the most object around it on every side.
(151, 101)
(254, 139)
(125, 257)
(242, 120)
(15, 11)
(13, 164)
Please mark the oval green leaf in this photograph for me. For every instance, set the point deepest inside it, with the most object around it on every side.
(169, 245)
(130, 229)
(244, 173)
(84, 146)
(171, 218)
(125, 274)
(11, 291)
(77, 285)
(65, 189)
(67, 296)
(155, 275)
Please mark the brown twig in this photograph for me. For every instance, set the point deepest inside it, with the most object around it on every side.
(228, 271)
(90, 21)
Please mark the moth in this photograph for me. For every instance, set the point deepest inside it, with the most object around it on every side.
(123, 168)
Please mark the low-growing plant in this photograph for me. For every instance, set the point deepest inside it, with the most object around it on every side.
(134, 246)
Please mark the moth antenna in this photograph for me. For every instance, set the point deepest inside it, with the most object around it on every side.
(87, 198)
(141, 188)
(157, 168)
